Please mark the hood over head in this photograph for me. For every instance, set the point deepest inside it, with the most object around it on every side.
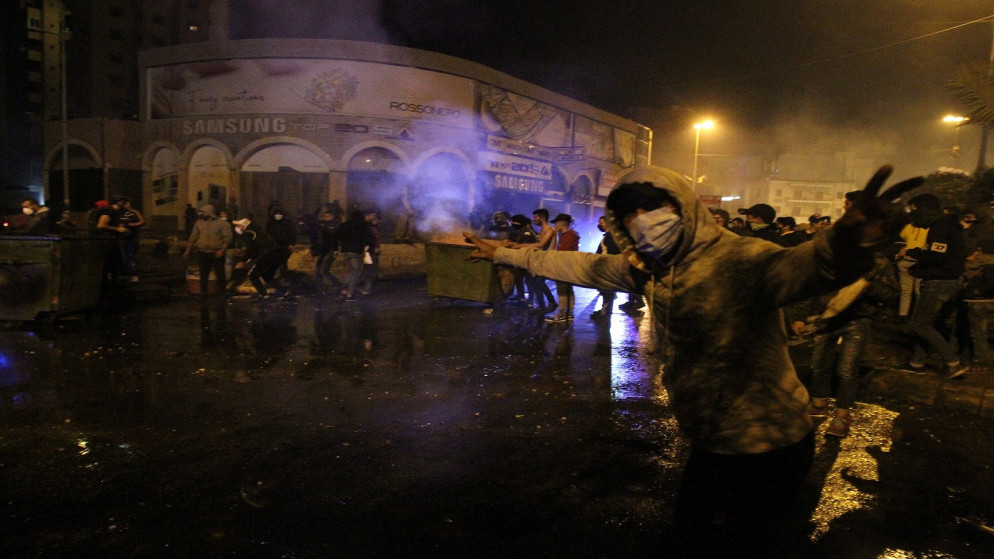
(699, 227)
(208, 209)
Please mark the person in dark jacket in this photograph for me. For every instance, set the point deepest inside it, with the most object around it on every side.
(283, 229)
(939, 265)
(789, 235)
(760, 218)
(263, 258)
(352, 241)
(38, 218)
(323, 250)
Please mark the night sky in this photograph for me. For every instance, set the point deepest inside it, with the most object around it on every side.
(800, 75)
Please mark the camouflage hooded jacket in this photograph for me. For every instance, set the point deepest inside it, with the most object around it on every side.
(716, 306)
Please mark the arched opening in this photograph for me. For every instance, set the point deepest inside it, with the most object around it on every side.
(375, 180)
(440, 196)
(209, 177)
(86, 180)
(285, 173)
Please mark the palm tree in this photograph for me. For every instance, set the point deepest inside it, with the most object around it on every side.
(974, 86)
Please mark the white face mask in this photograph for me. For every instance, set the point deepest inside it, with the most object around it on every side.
(239, 229)
(277, 217)
(656, 233)
(28, 211)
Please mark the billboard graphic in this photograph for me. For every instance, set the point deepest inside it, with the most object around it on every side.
(308, 86)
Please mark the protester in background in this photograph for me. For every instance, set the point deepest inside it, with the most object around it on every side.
(843, 327)
(132, 220)
(209, 238)
(721, 217)
(939, 265)
(609, 246)
(789, 235)
(978, 296)
(914, 238)
(263, 257)
(738, 226)
(544, 302)
(500, 226)
(282, 228)
(37, 218)
(716, 300)
(567, 239)
(760, 218)
(323, 251)
(352, 240)
(371, 267)
(109, 225)
(522, 234)
(93, 215)
(818, 223)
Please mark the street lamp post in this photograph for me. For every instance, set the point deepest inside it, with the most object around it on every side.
(956, 121)
(65, 112)
(697, 146)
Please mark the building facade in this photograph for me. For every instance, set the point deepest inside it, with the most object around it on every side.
(430, 140)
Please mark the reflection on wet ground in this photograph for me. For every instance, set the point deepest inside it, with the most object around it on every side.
(402, 425)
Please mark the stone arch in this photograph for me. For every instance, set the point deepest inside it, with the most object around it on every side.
(376, 177)
(193, 146)
(281, 170)
(86, 175)
(208, 176)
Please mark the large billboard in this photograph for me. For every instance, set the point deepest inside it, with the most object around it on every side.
(308, 86)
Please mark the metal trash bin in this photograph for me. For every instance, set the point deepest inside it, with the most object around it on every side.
(42, 276)
(450, 274)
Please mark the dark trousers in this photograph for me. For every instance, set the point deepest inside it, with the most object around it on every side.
(209, 262)
(265, 268)
(741, 505)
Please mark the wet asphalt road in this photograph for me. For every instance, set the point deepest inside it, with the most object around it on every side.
(399, 426)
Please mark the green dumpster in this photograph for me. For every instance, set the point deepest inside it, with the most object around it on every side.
(42, 276)
(450, 274)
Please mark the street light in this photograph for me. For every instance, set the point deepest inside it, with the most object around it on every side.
(957, 121)
(697, 146)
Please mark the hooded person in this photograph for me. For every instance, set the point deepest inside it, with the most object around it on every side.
(263, 257)
(715, 300)
(209, 238)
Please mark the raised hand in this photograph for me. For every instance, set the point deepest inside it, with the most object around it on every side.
(873, 216)
(484, 249)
